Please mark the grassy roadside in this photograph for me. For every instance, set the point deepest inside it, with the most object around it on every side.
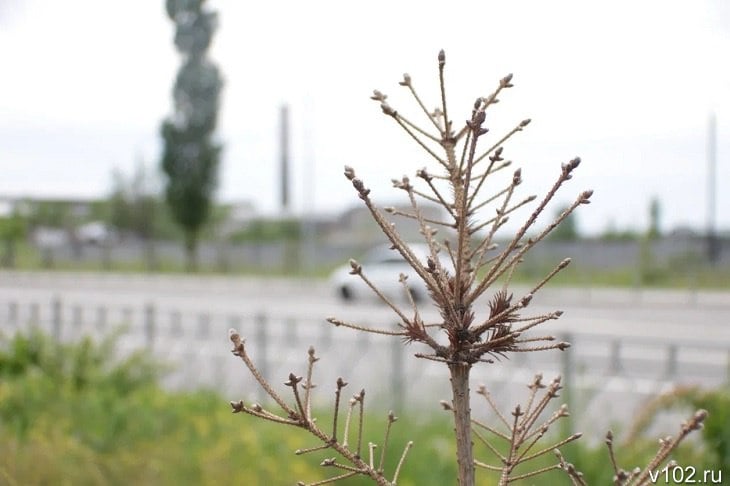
(699, 277)
(74, 414)
(689, 275)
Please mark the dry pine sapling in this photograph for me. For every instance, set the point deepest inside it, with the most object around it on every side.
(463, 266)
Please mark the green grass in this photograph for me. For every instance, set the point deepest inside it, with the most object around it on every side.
(695, 277)
(688, 272)
(29, 258)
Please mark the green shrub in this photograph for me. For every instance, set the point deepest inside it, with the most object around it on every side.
(77, 414)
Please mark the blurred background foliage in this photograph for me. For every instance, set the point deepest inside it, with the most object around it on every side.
(132, 230)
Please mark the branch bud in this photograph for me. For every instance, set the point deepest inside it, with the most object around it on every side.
(293, 380)
(378, 96)
(423, 174)
(431, 265)
(568, 168)
(360, 187)
(387, 109)
(526, 300)
(356, 267)
(237, 342)
(505, 82)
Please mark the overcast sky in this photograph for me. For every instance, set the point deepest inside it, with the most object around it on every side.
(626, 85)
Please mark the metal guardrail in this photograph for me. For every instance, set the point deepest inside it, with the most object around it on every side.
(196, 346)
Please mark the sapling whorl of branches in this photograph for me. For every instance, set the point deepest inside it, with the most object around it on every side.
(465, 165)
(464, 168)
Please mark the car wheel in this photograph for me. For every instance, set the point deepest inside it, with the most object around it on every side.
(417, 297)
(346, 294)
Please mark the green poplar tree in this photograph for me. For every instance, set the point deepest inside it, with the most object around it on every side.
(191, 155)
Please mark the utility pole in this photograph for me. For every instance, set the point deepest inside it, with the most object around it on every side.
(713, 249)
(291, 260)
(309, 179)
(284, 168)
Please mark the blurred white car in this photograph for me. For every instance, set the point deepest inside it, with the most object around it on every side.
(383, 266)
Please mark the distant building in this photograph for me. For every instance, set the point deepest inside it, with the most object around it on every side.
(7, 208)
(357, 227)
(238, 216)
(79, 209)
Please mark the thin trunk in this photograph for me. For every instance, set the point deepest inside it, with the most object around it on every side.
(106, 254)
(191, 251)
(224, 265)
(462, 422)
(8, 259)
(150, 254)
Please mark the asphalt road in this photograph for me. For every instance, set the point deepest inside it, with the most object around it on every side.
(634, 342)
(650, 314)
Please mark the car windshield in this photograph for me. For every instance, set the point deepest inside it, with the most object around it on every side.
(384, 255)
